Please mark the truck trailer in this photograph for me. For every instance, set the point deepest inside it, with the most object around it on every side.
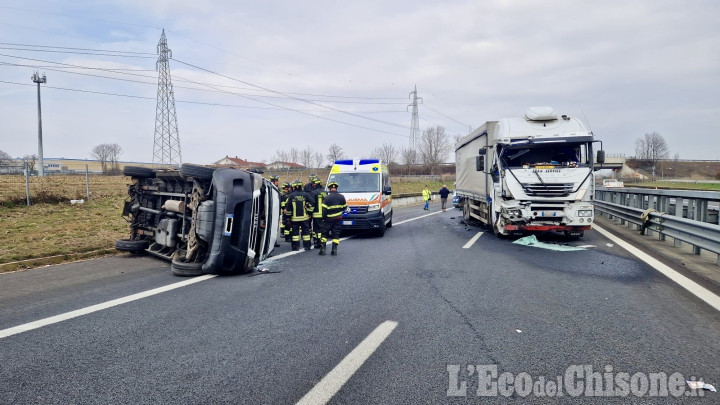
(528, 174)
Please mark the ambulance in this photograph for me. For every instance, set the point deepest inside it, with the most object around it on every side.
(365, 183)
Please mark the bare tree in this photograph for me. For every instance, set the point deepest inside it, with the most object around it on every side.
(408, 157)
(335, 152)
(115, 151)
(30, 160)
(280, 156)
(386, 152)
(307, 156)
(5, 159)
(108, 155)
(434, 147)
(651, 148)
(319, 159)
(101, 153)
(294, 155)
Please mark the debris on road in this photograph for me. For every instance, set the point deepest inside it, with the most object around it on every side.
(609, 245)
(518, 331)
(696, 385)
(533, 242)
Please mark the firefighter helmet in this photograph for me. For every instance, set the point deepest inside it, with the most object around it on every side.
(332, 184)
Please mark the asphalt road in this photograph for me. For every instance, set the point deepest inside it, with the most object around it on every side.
(273, 338)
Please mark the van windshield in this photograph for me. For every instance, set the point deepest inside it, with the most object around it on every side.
(356, 182)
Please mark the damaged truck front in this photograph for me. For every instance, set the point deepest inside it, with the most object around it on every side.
(529, 174)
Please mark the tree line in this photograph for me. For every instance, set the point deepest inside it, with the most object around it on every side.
(432, 149)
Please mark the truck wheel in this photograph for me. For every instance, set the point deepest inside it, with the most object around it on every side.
(140, 172)
(466, 211)
(197, 171)
(134, 246)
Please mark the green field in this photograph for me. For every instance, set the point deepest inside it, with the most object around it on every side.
(677, 185)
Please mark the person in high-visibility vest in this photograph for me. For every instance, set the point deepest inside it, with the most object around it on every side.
(298, 206)
(427, 194)
(319, 194)
(333, 207)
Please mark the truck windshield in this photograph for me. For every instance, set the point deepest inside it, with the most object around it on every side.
(356, 182)
(546, 154)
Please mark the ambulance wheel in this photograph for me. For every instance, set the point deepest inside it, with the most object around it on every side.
(389, 224)
(381, 230)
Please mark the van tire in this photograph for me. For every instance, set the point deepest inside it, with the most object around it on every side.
(381, 230)
(197, 171)
(134, 246)
(139, 172)
(185, 269)
(389, 224)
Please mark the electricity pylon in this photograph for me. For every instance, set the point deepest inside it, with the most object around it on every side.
(166, 149)
(415, 120)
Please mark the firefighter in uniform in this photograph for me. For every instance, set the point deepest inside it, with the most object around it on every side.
(311, 183)
(319, 195)
(284, 218)
(333, 207)
(275, 180)
(298, 205)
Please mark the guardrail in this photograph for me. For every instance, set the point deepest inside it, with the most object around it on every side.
(686, 216)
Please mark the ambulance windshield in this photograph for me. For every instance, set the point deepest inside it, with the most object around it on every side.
(356, 182)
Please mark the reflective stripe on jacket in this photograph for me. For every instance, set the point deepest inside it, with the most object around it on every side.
(333, 205)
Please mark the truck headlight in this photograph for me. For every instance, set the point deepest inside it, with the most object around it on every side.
(373, 207)
(585, 213)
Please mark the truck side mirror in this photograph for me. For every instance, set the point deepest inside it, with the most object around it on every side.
(387, 190)
(480, 163)
(600, 156)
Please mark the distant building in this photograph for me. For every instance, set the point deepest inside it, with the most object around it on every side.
(284, 166)
(240, 163)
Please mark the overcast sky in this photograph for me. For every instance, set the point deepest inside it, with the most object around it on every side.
(253, 77)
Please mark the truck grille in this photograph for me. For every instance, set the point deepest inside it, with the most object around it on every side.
(549, 189)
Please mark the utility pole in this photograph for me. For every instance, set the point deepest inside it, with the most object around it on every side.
(415, 120)
(37, 79)
(166, 149)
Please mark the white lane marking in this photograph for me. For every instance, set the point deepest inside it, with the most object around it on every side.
(673, 275)
(323, 391)
(473, 240)
(413, 219)
(295, 252)
(99, 307)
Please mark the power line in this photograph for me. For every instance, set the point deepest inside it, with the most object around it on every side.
(77, 49)
(295, 98)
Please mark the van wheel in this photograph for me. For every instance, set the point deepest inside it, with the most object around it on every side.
(185, 269)
(197, 171)
(134, 246)
(389, 224)
(180, 267)
(139, 172)
(381, 230)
